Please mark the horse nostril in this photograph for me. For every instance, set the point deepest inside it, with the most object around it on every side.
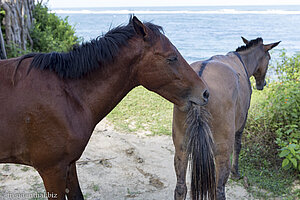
(206, 95)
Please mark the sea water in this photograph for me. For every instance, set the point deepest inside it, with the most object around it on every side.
(199, 32)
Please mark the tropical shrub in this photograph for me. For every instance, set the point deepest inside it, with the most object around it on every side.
(50, 32)
(274, 116)
(288, 133)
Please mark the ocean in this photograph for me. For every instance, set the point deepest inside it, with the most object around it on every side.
(199, 32)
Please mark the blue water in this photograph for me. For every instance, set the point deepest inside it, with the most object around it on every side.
(199, 32)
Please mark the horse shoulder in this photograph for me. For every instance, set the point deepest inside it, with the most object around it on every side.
(48, 115)
(242, 105)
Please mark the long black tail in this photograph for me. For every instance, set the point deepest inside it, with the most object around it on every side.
(200, 144)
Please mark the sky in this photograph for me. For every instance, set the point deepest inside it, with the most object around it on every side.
(149, 3)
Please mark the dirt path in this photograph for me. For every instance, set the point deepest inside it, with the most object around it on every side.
(114, 166)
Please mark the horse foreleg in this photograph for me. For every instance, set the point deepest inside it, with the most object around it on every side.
(73, 188)
(55, 180)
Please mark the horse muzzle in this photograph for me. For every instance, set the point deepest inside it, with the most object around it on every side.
(261, 86)
(202, 101)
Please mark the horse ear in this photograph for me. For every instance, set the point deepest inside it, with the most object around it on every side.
(139, 27)
(245, 40)
(268, 47)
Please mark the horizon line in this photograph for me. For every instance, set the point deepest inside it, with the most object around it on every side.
(52, 7)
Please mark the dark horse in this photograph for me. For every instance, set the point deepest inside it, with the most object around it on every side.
(50, 103)
(227, 77)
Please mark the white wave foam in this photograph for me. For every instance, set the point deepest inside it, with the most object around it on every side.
(221, 11)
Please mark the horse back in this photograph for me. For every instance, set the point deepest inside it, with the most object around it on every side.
(7, 68)
(221, 79)
(228, 90)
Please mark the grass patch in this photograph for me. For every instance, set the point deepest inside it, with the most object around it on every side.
(132, 194)
(142, 110)
(259, 160)
(95, 187)
(25, 169)
(86, 195)
(37, 190)
(265, 179)
(6, 168)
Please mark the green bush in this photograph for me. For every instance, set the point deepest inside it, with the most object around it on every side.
(274, 116)
(270, 153)
(288, 68)
(284, 102)
(13, 50)
(288, 103)
(50, 32)
(2, 14)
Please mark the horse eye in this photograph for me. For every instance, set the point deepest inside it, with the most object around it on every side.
(172, 59)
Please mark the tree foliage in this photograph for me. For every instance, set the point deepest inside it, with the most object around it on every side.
(50, 32)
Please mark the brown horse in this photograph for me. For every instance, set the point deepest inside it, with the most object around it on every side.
(227, 77)
(50, 103)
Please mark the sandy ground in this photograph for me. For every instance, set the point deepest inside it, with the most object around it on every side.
(114, 166)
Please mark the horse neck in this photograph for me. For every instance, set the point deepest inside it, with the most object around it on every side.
(101, 91)
(250, 59)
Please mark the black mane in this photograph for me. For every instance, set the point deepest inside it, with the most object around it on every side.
(88, 56)
(250, 44)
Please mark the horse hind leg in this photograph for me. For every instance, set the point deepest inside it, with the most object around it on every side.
(236, 151)
(223, 169)
(224, 143)
(73, 189)
(180, 164)
(180, 158)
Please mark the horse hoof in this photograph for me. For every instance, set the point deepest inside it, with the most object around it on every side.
(180, 192)
(235, 176)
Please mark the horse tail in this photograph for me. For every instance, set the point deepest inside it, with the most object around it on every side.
(200, 144)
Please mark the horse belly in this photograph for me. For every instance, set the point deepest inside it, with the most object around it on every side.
(242, 107)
